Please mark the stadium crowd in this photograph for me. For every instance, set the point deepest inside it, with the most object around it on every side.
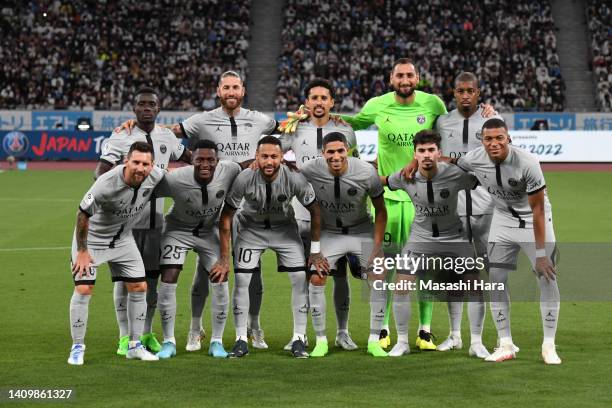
(95, 54)
(598, 17)
(510, 45)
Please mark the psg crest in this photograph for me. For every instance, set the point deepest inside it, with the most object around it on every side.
(15, 143)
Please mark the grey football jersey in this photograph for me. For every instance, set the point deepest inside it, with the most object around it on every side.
(166, 146)
(344, 199)
(114, 207)
(509, 183)
(269, 204)
(196, 207)
(459, 136)
(307, 141)
(236, 137)
(435, 202)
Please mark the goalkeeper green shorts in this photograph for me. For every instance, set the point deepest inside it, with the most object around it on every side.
(400, 215)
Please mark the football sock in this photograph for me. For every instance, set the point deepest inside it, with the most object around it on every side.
(136, 311)
(299, 301)
(120, 300)
(549, 308)
(425, 314)
(316, 297)
(476, 313)
(342, 300)
(151, 304)
(167, 308)
(389, 301)
(500, 303)
(199, 293)
(241, 303)
(455, 310)
(378, 298)
(402, 309)
(255, 297)
(219, 307)
(79, 311)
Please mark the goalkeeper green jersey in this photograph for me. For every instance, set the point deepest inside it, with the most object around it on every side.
(397, 124)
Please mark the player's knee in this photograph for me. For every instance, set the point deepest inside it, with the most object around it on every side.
(317, 280)
(170, 275)
(136, 286)
(84, 289)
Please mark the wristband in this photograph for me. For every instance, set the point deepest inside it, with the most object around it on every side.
(315, 247)
(540, 253)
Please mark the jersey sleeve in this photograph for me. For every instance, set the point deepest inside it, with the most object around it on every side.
(164, 187)
(115, 148)
(395, 182)
(286, 141)
(236, 193)
(303, 191)
(534, 177)
(375, 188)
(177, 148)
(467, 181)
(351, 138)
(366, 117)
(93, 199)
(192, 126)
(268, 124)
(465, 162)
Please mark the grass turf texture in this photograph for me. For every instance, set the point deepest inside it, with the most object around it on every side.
(38, 211)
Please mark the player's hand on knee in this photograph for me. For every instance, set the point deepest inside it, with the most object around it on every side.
(320, 264)
(409, 171)
(488, 111)
(127, 125)
(545, 268)
(219, 271)
(82, 264)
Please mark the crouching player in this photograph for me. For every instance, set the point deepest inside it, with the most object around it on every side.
(266, 221)
(198, 192)
(103, 233)
(342, 185)
(437, 231)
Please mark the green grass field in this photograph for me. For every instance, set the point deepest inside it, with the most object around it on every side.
(37, 210)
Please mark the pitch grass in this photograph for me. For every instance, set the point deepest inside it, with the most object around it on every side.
(37, 210)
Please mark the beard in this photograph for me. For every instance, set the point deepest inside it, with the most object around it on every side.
(403, 94)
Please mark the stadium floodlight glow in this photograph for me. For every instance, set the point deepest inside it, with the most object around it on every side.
(83, 124)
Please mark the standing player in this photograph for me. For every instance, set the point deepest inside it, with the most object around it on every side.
(522, 220)
(198, 192)
(105, 219)
(265, 221)
(342, 185)
(147, 231)
(399, 115)
(306, 143)
(460, 131)
(437, 230)
(235, 130)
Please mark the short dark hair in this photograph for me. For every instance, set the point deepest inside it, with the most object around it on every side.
(230, 74)
(142, 147)
(494, 123)
(270, 140)
(427, 136)
(323, 83)
(206, 144)
(466, 77)
(147, 90)
(334, 137)
(402, 61)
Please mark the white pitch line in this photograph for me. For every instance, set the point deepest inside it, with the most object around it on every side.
(35, 249)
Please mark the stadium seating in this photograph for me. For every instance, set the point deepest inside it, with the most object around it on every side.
(509, 44)
(598, 17)
(95, 54)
